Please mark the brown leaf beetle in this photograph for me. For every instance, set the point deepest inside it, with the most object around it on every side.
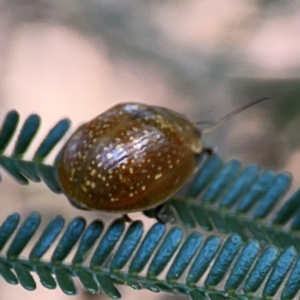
(132, 157)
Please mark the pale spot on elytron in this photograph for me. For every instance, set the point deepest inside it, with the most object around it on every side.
(93, 172)
(143, 188)
(131, 195)
(137, 146)
(87, 183)
(157, 176)
(109, 155)
(84, 188)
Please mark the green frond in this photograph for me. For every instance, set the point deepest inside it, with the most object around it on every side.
(126, 254)
(233, 236)
(21, 170)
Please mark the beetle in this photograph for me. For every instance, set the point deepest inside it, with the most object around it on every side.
(133, 157)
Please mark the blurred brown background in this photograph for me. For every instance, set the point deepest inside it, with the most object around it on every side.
(199, 57)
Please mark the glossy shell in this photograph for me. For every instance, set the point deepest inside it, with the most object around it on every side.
(130, 158)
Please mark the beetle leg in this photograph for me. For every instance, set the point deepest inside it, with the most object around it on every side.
(77, 204)
(126, 218)
(161, 215)
(210, 151)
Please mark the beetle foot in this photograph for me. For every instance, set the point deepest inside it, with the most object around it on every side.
(126, 219)
(161, 215)
(210, 151)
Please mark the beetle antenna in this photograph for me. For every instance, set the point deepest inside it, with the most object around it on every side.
(231, 115)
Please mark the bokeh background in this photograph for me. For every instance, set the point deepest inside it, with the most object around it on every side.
(200, 57)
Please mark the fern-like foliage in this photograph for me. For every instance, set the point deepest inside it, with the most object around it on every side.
(34, 170)
(219, 245)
